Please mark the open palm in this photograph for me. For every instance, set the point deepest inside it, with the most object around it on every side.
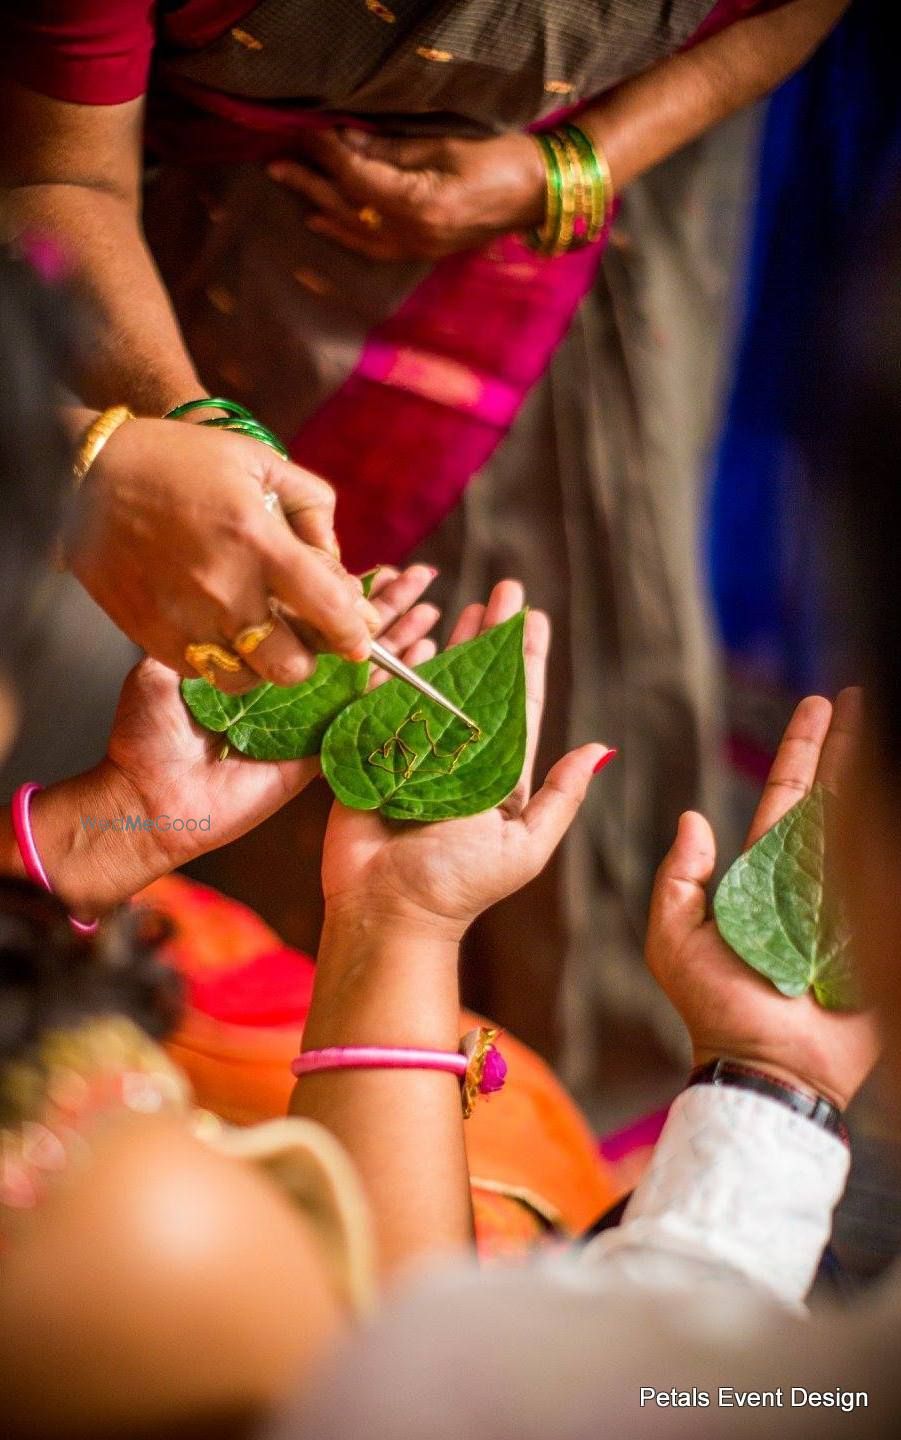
(729, 1009)
(445, 874)
(171, 766)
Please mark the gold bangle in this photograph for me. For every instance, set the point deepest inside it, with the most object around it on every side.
(581, 190)
(595, 186)
(95, 437)
(609, 194)
(562, 241)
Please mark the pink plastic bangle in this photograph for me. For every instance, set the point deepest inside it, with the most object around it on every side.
(378, 1057)
(34, 866)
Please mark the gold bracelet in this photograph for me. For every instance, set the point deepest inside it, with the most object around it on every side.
(95, 437)
(569, 174)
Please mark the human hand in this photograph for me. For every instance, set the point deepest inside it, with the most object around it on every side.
(162, 767)
(171, 537)
(423, 199)
(437, 878)
(729, 1009)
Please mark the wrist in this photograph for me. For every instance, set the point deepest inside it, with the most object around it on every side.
(372, 922)
(379, 982)
(780, 1073)
(532, 200)
(786, 1076)
(93, 859)
(194, 417)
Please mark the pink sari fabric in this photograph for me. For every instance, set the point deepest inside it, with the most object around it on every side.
(443, 378)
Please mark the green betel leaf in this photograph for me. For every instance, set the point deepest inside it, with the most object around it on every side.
(397, 752)
(276, 722)
(772, 907)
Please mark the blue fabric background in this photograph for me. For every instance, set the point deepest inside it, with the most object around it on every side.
(830, 141)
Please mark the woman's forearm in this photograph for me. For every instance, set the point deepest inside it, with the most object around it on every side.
(379, 984)
(73, 173)
(653, 115)
(135, 355)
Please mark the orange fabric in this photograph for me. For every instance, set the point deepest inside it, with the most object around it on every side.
(248, 998)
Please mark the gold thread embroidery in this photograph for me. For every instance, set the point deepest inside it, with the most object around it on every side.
(380, 11)
(425, 52)
(243, 37)
(411, 757)
(558, 87)
(446, 381)
(316, 284)
(221, 299)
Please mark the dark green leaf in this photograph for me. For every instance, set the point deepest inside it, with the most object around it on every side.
(773, 908)
(276, 722)
(279, 722)
(397, 752)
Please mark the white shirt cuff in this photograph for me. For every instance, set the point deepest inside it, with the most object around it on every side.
(737, 1180)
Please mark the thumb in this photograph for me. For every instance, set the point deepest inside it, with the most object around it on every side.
(148, 681)
(552, 809)
(679, 897)
(147, 690)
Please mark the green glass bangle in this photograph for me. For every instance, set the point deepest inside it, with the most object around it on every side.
(252, 428)
(237, 419)
(211, 402)
(544, 237)
(591, 183)
(570, 184)
(599, 178)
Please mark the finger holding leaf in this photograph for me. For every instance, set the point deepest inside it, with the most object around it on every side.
(775, 905)
(729, 1008)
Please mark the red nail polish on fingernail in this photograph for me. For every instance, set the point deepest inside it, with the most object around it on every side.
(605, 760)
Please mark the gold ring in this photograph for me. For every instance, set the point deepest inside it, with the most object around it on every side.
(252, 637)
(204, 658)
(370, 217)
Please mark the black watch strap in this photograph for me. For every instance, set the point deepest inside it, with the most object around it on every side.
(815, 1108)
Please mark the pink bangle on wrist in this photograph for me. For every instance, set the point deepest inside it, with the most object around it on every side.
(478, 1064)
(34, 866)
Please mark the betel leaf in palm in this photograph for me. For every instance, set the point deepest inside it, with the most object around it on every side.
(275, 722)
(774, 909)
(397, 752)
